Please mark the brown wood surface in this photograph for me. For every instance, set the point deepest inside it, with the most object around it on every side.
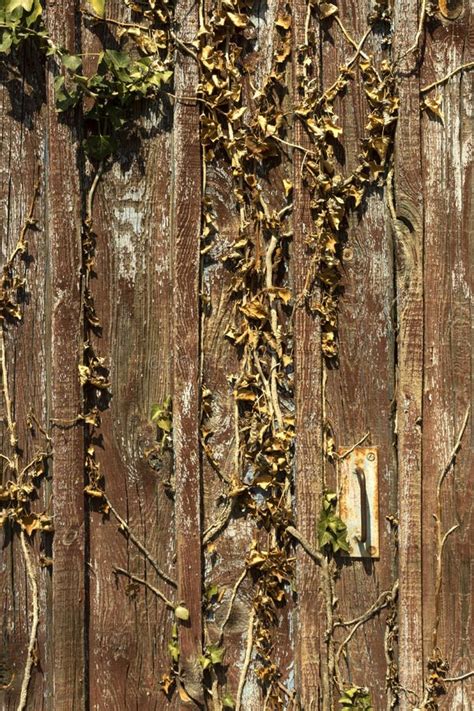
(409, 284)
(358, 400)
(308, 407)
(22, 141)
(185, 245)
(129, 628)
(447, 190)
(64, 306)
(404, 375)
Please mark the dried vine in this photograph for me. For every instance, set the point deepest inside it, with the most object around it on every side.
(247, 125)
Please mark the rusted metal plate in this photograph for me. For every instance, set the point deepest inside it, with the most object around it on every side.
(359, 500)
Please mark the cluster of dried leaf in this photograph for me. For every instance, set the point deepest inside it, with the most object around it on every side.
(243, 126)
(20, 479)
(246, 123)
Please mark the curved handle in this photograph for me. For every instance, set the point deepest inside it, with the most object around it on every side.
(363, 504)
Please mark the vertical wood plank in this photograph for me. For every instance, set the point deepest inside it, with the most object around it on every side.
(64, 304)
(22, 146)
(409, 284)
(186, 229)
(447, 186)
(359, 391)
(129, 627)
(308, 381)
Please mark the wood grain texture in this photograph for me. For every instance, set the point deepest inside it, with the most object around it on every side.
(66, 334)
(102, 642)
(186, 230)
(359, 392)
(22, 113)
(447, 188)
(226, 555)
(129, 628)
(409, 285)
(309, 644)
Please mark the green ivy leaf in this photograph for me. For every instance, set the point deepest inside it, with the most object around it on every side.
(6, 42)
(65, 99)
(173, 649)
(99, 147)
(72, 62)
(216, 654)
(357, 699)
(181, 613)
(116, 59)
(34, 14)
(228, 702)
(332, 531)
(12, 5)
(98, 7)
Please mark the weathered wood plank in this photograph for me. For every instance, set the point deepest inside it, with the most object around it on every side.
(128, 634)
(225, 557)
(447, 187)
(22, 143)
(66, 333)
(186, 230)
(129, 628)
(309, 666)
(359, 391)
(409, 236)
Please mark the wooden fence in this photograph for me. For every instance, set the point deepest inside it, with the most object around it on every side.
(173, 517)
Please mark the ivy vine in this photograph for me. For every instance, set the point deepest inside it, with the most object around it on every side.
(249, 129)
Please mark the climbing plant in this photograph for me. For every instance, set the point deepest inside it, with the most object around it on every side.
(249, 128)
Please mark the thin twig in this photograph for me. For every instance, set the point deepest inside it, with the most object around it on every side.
(383, 599)
(247, 660)
(354, 446)
(421, 23)
(91, 192)
(148, 585)
(34, 624)
(462, 677)
(440, 537)
(124, 527)
(231, 604)
(316, 555)
(438, 82)
(11, 424)
(215, 528)
(351, 40)
(452, 456)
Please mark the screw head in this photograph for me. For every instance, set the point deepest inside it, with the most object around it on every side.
(371, 456)
(371, 550)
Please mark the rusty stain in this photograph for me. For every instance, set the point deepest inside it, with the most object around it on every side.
(450, 9)
(358, 500)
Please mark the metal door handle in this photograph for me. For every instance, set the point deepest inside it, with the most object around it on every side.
(363, 504)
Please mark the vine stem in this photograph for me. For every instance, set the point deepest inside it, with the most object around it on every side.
(382, 601)
(148, 585)
(11, 424)
(34, 624)
(421, 23)
(310, 550)
(440, 537)
(274, 324)
(235, 589)
(247, 659)
(462, 677)
(125, 527)
(438, 82)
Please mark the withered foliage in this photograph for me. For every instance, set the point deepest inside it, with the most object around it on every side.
(247, 122)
